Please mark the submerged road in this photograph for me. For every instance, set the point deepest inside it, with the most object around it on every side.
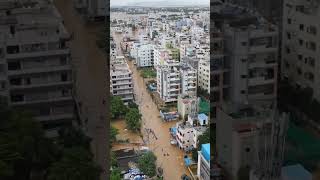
(169, 157)
(91, 77)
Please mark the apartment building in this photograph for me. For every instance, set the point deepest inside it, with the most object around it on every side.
(121, 79)
(169, 81)
(35, 69)
(300, 47)
(251, 44)
(187, 135)
(203, 169)
(113, 50)
(204, 75)
(145, 55)
(188, 80)
(92, 8)
(218, 71)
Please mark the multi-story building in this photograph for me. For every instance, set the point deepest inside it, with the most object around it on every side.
(219, 80)
(300, 47)
(145, 55)
(204, 75)
(169, 81)
(203, 169)
(254, 139)
(188, 105)
(251, 45)
(187, 135)
(35, 69)
(113, 50)
(121, 79)
(188, 80)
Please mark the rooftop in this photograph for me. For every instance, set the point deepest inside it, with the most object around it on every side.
(205, 151)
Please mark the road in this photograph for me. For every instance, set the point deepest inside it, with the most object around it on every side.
(173, 164)
(91, 77)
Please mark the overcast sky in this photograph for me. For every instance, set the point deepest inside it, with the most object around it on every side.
(186, 2)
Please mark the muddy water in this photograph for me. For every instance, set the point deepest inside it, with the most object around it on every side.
(124, 133)
(172, 164)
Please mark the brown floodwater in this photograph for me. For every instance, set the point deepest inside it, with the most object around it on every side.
(172, 164)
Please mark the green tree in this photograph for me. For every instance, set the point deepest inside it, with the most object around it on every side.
(24, 149)
(132, 104)
(133, 119)
(115, 174)
(113, 133)
(117, 107)
(202, 139)
(114, 162)
(71, 137)
(147, 164)
(76, 164)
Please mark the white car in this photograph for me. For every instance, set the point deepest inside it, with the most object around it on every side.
(173, 142)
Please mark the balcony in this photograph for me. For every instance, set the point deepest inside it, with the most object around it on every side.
(39, 70)
(42, 100)
(262, 49)
(54, 117)
(260, 80)
(42, 85)
(38, 53)
(263, 63)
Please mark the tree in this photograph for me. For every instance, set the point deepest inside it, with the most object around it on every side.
(133, 105)
(75, 164)
(115, 174)
(23, 147)
(71, 137)
(117, 107)
(202, 139)
(133, 119)
(113, 133)
(147, 164)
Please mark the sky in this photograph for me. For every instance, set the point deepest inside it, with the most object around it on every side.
(186, 2)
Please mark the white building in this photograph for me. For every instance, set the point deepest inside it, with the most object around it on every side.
(145, 55)
(300, 47)
(168, 81)
(204, 75)
(203, 169)
(121, 79)
(188, 80)
(187, 135)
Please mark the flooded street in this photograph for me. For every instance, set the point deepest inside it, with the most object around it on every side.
(172, 164)
(90, 77)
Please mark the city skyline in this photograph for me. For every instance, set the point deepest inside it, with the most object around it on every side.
(114, 3)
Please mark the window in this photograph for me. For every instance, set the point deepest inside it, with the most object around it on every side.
(242, 91)
(300, 42)
(244, 43)
(301, 27)
(300, 57)
(288, 35)
(243, 76)
(289, 21)
(14, 65)
(64, 77)
(288, 50)
(16, 81)
(17, 98)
